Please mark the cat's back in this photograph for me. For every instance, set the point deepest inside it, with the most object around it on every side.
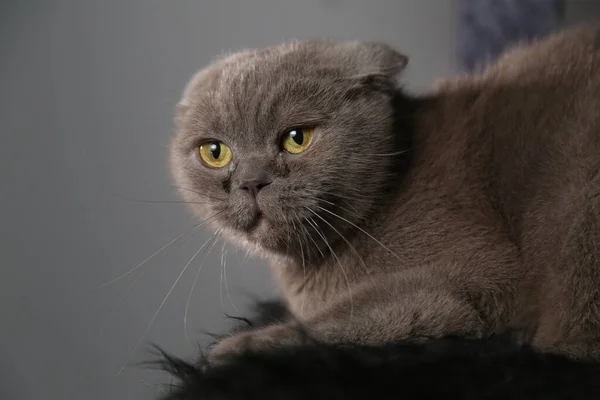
(545, 98)
(538, 110)
(538, 105)
(543, 102)
(535, 95)
(572, 53)
(525, 132)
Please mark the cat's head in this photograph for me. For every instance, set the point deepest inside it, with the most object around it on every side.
(287, 148)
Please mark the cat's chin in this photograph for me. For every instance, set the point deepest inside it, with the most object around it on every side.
(259, 239)
(262, 235)
(260, 228)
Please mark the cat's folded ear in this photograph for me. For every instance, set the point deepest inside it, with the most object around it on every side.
(180, 113)
(371, 58)
(189, 93)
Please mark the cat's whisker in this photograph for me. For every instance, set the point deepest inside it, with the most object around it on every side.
(129, 288)
(353, 194)
(315, 226)
(300, 239)
(214, 239)
(289, 238)
(160, 250)
(362, 230)
(246, 257)
(142, 263)
(318, 199)
(118, 305)
(163, 201)
(397, 153)
(305, 230)
(309, 236)
(303, 276)
(344, 239)
(354, 212)
(227, 287)
(318, 194)
(289, 234)
(158, 310)
(341, 267)
(200, 193)
(223, 260)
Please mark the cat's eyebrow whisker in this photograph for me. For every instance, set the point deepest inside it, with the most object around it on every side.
(197, 226)
(362, 230)
(214, 240)
(158, 310)
(339, 263)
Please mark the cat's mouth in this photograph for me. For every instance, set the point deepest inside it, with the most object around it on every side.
(256, 220)
(263, 227)
(260, 221)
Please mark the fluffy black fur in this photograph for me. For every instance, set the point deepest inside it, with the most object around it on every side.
(450, 368)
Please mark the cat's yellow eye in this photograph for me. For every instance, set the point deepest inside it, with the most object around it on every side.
(215, 154)
(297, 140)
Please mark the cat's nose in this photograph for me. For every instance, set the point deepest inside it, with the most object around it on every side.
(253, 186)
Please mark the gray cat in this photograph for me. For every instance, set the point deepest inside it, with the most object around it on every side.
(471, 210)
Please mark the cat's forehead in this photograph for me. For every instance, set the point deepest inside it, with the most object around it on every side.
(313, 59)
(259, 90)
(259, 66)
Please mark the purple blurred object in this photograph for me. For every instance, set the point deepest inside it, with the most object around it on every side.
(489, 27)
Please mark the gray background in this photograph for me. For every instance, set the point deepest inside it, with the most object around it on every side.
(87, 90)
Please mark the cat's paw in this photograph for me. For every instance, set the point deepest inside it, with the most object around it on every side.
(254, 341)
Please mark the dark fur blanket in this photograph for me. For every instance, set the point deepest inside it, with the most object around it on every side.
(450, 368)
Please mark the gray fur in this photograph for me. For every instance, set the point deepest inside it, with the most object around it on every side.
(470, 210)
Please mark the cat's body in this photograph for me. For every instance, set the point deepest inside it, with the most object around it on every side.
(472, 210)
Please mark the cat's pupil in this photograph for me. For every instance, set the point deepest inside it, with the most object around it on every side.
(298, 136)
(215, 150)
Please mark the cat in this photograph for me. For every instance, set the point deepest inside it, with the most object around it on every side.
(470, 210)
